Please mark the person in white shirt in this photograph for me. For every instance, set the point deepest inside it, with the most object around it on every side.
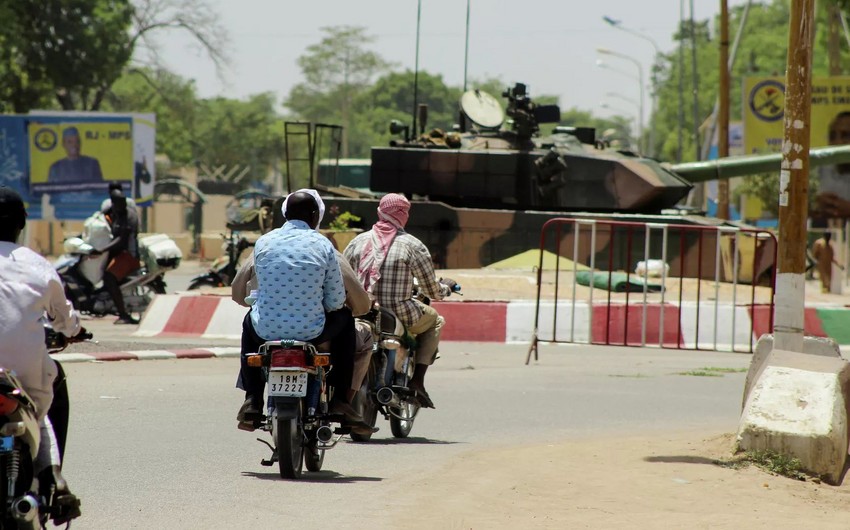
(30, 289)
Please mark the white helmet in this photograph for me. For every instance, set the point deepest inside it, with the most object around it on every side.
(75, 245)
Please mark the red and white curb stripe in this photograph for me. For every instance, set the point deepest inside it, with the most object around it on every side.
(141, 355)
(689, 325)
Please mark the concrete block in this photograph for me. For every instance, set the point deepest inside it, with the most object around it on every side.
(798, 408)
(812, 345)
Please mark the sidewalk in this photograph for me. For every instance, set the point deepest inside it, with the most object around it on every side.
(500, 306)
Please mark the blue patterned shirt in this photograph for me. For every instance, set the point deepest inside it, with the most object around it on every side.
(299, 279)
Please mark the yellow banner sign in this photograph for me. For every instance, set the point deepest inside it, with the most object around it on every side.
(764, 108)
(79, 156)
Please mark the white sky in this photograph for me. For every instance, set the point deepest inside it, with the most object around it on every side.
(548, 44)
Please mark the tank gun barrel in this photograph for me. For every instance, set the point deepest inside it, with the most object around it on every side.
(739, 166)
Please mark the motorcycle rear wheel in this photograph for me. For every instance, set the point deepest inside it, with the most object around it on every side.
(401, 428)
(313, 457)
(289, 440)
(365, 404)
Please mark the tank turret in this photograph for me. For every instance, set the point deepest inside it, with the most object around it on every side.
(496, 163)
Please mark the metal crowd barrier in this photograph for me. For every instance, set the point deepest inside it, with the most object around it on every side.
(714, 258)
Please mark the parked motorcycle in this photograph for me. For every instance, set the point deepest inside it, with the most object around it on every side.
(386, 387)
(297, 402)
(225, 267)
(81, 272)
(24, 504)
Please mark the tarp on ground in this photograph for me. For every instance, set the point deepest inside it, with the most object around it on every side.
(620, 282)
(530, 259)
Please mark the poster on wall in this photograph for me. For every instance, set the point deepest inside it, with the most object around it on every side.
(74, 155)
(764, 108)
(62, 162)
(14, 160)
(144, 158)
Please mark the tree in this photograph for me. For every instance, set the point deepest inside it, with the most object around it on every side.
(235, 132)
(173, 99)
(391, 98)
(336, 71)
(72, 51)
(195, 17)
(68, 50)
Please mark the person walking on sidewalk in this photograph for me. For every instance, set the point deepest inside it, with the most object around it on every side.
(824, 256)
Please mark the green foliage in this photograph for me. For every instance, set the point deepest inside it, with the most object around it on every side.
(343, 221)
(337, 70)
(213, 132)
(172, 98)
(712, 371)
(773, 462)
(762, 52)
(70, 49)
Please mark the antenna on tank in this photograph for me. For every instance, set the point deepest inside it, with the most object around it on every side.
(416, 68)
(466, 47)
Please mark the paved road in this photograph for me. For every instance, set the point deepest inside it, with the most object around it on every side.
(153, 444)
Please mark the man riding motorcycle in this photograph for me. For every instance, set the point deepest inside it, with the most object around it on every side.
(356, 299)
(300, 295)
(123, 250)
(387, 259)
(29, 290)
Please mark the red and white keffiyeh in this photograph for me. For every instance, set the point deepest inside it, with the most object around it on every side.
(393, 212)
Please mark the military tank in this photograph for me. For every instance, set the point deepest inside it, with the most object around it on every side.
(494, 162)
(481, 193)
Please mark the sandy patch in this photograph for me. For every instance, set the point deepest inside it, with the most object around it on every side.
(648, 482)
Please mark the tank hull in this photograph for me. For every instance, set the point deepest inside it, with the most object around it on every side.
(468, 238)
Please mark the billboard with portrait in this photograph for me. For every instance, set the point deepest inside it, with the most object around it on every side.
(76, 155)
(764, 108)
(62, 162)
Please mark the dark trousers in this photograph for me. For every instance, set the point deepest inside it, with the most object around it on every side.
(339, 330)
(59, 409)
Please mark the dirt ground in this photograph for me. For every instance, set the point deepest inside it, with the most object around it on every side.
(670, 480)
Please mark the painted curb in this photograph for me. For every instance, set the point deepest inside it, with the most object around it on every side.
(142, 355)
(685, 325)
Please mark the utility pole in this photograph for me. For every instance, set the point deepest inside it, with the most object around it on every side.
(679, 133)
(788, 326)
(723, 115)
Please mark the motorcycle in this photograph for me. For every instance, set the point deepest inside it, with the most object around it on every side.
(225, 267)
(297, 397)
(386, 387)
(24, 504)
(81, 272)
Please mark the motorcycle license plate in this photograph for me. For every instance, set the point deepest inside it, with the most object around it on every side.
(7, 443)
(288, 384)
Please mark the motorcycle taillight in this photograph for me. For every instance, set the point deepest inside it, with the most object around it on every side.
(288, 358)
(7, 405)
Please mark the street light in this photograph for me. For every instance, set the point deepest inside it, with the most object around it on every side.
(637, 64)
(622, 97)
(654, 81)
(602, 64)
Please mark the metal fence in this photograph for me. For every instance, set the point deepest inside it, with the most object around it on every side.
(711, 288)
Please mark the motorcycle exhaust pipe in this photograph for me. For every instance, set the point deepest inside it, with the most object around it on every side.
(25, 509)
(324, 434)
(386, 396)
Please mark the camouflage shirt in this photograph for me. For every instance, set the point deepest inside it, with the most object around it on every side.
(407, 258)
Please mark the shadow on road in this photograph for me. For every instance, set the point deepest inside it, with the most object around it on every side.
(685, 460)
(325, 477)
(414, 440)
